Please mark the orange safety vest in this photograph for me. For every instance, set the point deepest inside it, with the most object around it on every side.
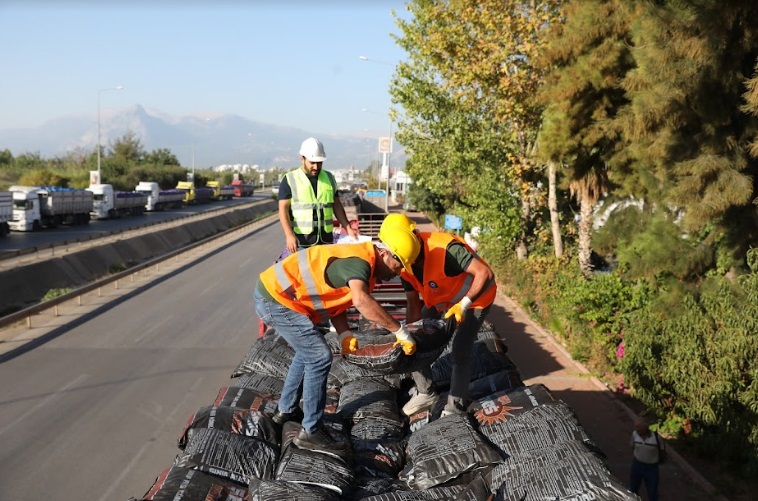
(299, 280)
(438, 290)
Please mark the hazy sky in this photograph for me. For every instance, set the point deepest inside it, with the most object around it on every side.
(285, 62)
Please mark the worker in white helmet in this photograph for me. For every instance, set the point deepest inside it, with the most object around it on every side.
(308, 201)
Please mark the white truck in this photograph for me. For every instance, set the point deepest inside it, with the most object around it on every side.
(6, 211)
(158, 199)
(109, 203)
(39, 207)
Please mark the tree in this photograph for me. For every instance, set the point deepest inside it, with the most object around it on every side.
(6, 158)
(687, 132)
(468, 122)
(128, 148)
(587, 59)
(161, 156)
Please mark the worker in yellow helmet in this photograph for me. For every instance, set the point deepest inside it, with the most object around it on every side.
(454, 280)
(320, 283)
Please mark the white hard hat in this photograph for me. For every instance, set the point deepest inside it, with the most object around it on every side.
(313, 150)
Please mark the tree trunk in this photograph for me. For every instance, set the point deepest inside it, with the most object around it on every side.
(585, 235)
(552, 203)
(521, 247)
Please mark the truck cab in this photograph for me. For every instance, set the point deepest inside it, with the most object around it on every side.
(26, 209)
(103, 201)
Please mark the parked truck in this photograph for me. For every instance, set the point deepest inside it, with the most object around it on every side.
(47, 207)
(109, 203)
(220, 192)
(6, 211)
(194, 194)
(242, 189)
(158, 199)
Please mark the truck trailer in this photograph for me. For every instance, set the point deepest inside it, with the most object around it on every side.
(194, 194)
(6, 211)
(242, 189)
(158, 199)
(220, 192)
(110, 204)
(47, 207)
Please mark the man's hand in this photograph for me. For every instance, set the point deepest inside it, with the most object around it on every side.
(352, 232)
(348, 343)
(459, 309)
(292, 244)
(404, 339)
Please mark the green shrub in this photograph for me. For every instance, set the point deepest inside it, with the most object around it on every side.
(698, 365)
(54, 293)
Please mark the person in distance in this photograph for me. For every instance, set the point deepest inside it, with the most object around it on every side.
(308, 201)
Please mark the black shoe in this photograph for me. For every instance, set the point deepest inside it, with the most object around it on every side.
(282, 417)
(321, 441)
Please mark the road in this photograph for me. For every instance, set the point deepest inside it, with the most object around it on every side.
(19, 240)
(95, 413)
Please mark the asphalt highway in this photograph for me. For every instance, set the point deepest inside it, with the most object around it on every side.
(95, 412)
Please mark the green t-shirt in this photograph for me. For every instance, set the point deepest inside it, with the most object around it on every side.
(457, 260)
(338, 273)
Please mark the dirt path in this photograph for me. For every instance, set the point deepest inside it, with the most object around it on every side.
(609, 422)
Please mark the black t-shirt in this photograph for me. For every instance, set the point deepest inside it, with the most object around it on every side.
(285, 193)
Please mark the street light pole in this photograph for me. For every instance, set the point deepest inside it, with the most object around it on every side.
(119, 87)
(387, 155)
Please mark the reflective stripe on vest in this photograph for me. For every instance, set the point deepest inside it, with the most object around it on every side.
(298, 281)
(304, 201)
(438, 290)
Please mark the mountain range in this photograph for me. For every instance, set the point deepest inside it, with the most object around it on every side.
(199, 141)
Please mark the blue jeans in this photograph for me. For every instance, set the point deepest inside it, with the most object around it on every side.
(647, 472)
(310, 364)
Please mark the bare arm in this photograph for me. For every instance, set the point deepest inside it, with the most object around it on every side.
(284, 221)
(413, 306)
(340, 323)
(369, 307)
(339, 212)
(483, 276)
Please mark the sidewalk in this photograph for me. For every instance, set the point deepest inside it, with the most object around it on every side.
(609, 423)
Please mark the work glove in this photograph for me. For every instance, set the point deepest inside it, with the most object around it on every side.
(404, 339)
(348, 343)
(459, 309)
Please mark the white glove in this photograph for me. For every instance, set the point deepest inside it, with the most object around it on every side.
(404, 339)
(348, 343)
(459, 309)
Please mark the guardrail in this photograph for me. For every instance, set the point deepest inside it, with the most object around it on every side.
(77, 294)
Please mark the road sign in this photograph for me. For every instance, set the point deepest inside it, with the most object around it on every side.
(453, 222)
(385, 145)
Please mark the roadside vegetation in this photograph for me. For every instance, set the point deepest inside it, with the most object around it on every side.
(123, 164)
(607, 151)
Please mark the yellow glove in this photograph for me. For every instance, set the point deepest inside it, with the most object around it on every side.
(348, 343)
(405, 340)
(459, 309)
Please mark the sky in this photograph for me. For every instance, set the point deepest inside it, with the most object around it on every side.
(284, 62)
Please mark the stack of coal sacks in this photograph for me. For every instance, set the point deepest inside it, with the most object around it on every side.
(515, 442)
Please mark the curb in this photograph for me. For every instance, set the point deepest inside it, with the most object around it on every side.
(675, 456)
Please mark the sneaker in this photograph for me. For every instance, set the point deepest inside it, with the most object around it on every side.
(450, 412)
(320, 441)
(282, 417)
(418, 402)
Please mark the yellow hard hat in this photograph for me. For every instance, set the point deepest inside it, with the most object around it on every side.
(398, 219)
(403, 244)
